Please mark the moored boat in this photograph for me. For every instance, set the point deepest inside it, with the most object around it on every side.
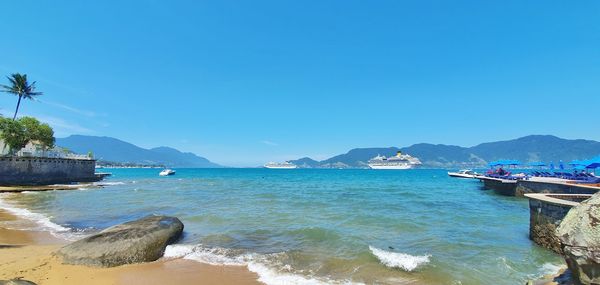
(463, 173)
(167, 172)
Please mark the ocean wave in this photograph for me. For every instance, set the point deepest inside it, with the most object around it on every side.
(549, 268)
(213, 256)
(546, 269)
(270, 276)
(43, 223)
(104, 183)
(403, 261)
(256, 263)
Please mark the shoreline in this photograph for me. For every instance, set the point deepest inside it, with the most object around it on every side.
(28, 254)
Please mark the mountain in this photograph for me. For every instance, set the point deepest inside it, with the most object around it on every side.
(357, 157)
(538, 148)
(532, 148)
(305, 162)
(115, 150)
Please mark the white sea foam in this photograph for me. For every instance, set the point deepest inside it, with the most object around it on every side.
(103, 183)
(403, 261)
(43, 223)
(546, 269)
(270, 276)
(549, 268)
(213, 256)
(254, 262)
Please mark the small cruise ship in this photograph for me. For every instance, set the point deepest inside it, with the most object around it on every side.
(280, 165)
(400, 161)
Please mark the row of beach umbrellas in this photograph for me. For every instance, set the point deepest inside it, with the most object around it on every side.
(577, 164)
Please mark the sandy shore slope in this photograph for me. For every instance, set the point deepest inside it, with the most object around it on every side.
(28, 255)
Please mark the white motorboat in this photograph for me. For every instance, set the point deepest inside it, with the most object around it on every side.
(463, 173)
(167, 172)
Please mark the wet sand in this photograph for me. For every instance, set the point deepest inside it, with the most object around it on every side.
(28, 255)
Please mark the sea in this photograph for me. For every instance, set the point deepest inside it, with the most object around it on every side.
(314, 226)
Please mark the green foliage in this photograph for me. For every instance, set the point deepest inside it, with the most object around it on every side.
(20, 87)
(13, 134)
(16, 134)
(38, 133)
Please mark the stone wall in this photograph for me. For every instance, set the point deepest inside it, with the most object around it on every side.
(546, 211)
(525, 186)
(502, 187)
(45, 171)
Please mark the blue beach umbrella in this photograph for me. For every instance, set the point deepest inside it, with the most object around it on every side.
(576, 162)
(561, 165)
(593, 165)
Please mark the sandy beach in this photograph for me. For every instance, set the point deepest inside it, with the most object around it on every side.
(28, 255)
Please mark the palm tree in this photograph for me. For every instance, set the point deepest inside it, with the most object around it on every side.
(20, 87)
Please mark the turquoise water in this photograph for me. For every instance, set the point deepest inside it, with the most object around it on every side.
(308, 226)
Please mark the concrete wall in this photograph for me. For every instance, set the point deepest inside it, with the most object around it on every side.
(523, 187)
(546, 211)
(44, 171)
(502, 187)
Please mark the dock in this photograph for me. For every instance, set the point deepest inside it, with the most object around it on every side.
(504, 187)
(520, 187)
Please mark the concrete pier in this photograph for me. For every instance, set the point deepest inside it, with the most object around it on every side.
(536, 185)
(501, 186)
(554, 187)
(546, 211)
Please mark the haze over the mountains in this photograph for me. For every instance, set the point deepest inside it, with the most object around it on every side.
(544, 148)
(115, 150)
(532, 148)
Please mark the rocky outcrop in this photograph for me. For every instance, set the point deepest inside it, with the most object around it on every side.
(579, 234)
(138, 241)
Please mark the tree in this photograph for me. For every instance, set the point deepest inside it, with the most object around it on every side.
(38, 133)
(13, 134)
(16, 134)
(20, 87)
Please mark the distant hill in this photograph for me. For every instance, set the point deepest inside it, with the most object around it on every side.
(115, 150)
(357, 157)
(305, 162)
(544, 148)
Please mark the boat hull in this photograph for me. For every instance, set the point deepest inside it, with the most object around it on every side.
(459, 175)
(281, 167)
(394, 167)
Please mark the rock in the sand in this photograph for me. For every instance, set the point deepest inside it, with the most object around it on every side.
(143, 240)
(16, 282)
(579, 234)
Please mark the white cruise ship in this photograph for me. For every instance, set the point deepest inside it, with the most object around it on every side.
(400, 161)
(280, 165)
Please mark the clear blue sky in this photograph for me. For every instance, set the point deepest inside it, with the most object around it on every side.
(245, 82)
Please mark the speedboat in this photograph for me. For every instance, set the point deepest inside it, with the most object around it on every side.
(167, 172)
(463, 173)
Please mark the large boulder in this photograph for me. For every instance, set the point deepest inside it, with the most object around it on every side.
(579, 234)
(16, 282)
(143, 240)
